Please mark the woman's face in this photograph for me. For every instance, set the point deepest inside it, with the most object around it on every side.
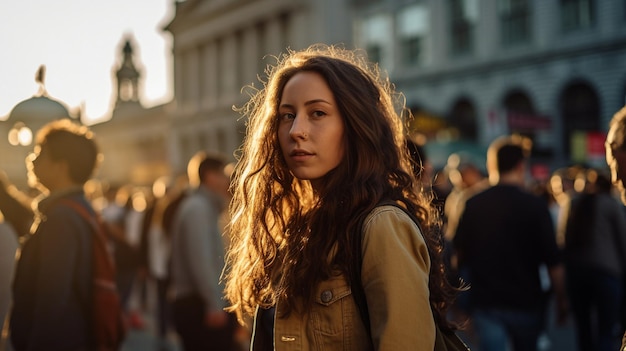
(310, 129)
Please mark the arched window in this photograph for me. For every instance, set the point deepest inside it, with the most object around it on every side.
(580, 112)
(463, 118)
(518, 101)
(522, 118)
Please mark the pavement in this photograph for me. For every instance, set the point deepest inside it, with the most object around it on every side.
(144, 335)
(556, 338)
(146, 338)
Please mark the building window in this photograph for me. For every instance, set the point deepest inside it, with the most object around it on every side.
(522, 118)
(463, 17)
(374, 52)
(411, 49)
(412, 28)
(463, 118)
(515, 17)
(576, 14)
(580, 113)
(377, 32)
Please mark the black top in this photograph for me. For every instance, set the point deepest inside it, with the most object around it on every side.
(503, 236)
(53, 281)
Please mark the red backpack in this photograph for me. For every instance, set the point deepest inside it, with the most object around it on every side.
(107, 321)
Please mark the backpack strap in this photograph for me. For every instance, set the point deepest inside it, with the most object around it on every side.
(101, 237)
(108, 329)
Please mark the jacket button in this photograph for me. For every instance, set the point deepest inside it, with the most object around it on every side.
(327, 295)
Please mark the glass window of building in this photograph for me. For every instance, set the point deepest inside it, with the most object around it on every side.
(577, 14)
(412, 28)
(463, 18)
(580, 114)
(376, 34)
(463, 118)
(515, 18)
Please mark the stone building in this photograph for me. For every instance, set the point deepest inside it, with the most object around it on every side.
(470, 69)
(134, 141)
(475, 69)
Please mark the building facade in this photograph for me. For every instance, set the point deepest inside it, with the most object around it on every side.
(134, 141)
(552, 70)
(470, 70)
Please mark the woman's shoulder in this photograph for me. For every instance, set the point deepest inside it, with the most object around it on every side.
(387, 218)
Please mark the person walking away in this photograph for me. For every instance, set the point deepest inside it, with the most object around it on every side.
(503, 236)
(15, 206)
(595, 240)
(8, 248)
(198, 259)
(53, 279)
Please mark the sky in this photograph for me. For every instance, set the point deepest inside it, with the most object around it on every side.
(80, 43)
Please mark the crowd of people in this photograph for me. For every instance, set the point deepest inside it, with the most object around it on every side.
(332, 231)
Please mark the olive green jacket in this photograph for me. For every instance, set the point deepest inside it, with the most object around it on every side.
(395, 273)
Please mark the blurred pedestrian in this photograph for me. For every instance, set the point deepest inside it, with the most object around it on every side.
(325, 148)
(467, 179)
(53, 279)
(503, 236)
(595, 241)
(616, 159)
(157, 250)
(15, 206)
(198, 259)
(8, 248)
(123, 213)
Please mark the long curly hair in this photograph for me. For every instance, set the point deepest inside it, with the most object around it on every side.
(286, 238)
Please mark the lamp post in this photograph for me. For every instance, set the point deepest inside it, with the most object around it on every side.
(20, 134)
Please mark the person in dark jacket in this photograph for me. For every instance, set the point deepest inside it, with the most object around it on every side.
(53, 278)
(503, 237)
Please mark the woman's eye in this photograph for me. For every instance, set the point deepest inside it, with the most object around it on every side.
(319, 113)
(287, 115)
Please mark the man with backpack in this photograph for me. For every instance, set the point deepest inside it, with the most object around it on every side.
(64, 275)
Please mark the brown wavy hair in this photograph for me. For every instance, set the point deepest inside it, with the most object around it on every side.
(282, 232)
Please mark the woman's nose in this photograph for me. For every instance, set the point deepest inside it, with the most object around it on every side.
(299, 128)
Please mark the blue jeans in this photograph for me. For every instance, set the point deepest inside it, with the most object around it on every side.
(498, 328)
(595, 297)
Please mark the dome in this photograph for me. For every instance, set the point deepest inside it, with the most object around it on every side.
(38, 109)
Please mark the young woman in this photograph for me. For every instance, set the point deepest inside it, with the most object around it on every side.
(325, 147)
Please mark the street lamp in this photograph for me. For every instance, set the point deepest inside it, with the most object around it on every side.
(20, 134)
